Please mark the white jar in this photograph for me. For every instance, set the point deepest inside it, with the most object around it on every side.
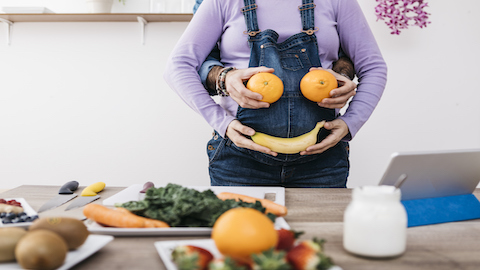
(375, 222)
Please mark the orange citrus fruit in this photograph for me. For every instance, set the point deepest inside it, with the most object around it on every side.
(267, 84)
(241, 232)
(317, 84)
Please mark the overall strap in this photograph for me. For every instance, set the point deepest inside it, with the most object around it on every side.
(250, 13)
(308, 16)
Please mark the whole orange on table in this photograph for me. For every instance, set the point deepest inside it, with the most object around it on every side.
(267, 84)
(240, 232)
(317, 84)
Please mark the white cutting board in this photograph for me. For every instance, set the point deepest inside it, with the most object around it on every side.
(132, 193)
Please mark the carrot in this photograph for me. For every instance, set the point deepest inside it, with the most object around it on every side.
(116, 218)
(149, 222)
(271, 207)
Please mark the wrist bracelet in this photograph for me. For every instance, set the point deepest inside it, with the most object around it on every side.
(220, 85)
(345, 75)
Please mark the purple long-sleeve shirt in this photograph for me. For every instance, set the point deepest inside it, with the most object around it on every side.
(338, 21)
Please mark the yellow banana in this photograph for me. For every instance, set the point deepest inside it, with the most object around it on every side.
(288, 145)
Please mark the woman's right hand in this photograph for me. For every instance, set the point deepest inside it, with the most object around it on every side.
(234, 82)
(236, 132)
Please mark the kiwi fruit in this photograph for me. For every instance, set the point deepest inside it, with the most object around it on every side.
(9, 238)
(41, 250)
(72, 230)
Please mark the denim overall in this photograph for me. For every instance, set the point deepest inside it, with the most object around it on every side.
(292, 115)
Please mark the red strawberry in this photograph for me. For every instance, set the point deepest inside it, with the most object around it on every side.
(191, 257)
(308, 256)
(286, 239)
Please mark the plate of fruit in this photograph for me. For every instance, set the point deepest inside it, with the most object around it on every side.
(243, 239)
(16, 212)
(204, 253)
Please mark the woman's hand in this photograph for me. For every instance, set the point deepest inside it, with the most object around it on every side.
(236, 132)
(338, 130)
(238, 92)
(339, 96)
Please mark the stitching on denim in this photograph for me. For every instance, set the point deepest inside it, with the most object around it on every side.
(217, 151)
(249, 8)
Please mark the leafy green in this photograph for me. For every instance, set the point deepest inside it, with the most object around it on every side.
(179, 206)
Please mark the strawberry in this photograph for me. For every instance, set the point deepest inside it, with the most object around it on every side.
(191, 257)
(226, 263)
(286, 239)
(307, 255)
(270, 260)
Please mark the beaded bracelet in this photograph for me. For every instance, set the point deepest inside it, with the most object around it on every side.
(221, 88)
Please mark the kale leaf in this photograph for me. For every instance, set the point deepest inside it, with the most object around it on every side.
(179, 206)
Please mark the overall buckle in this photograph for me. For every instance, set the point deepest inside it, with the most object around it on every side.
(310, 31)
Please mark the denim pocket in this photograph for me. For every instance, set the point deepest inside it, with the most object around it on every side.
(214, 146)
(294, 59)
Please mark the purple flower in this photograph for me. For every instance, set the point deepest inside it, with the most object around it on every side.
(398, 14)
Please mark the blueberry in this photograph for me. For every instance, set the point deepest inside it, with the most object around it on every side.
(32, 218)
(3, 214)
(15, 220)
(6, 221)
(10, 215)
(21, 214)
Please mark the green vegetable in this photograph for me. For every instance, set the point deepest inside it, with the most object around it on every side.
(184, 207)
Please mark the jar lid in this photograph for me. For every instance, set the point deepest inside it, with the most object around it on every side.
(382, 192)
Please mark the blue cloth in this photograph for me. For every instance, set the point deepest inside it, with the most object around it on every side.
(292, 115)
(443, 209)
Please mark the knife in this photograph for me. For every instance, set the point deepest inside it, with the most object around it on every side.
(65, 194)
(146, 186)
(88, 195)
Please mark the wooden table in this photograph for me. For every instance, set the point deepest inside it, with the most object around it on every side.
(318, 212)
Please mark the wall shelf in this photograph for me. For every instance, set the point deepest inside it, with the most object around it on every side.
(97, 17)
(142, 18)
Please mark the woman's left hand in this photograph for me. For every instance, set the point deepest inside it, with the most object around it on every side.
(338, 130)
(338, 96)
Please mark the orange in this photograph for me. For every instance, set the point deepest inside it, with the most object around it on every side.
(267, 84)
(240, 232)
(317, 84)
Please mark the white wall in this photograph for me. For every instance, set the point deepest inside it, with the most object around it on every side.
(87, 101)
(432, 94)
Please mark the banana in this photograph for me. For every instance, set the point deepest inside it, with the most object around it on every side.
(288, 145)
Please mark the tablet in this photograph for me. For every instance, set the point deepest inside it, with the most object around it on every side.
(434, 174)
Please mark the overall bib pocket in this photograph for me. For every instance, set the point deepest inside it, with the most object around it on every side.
(295, 60)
